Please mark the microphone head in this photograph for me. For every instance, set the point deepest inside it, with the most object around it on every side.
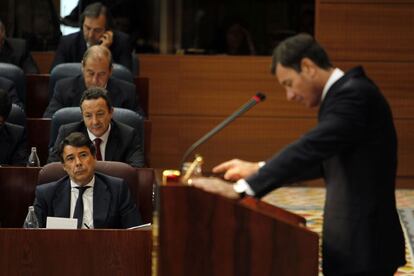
(261, 96)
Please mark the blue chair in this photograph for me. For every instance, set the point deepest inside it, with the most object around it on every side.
(73, 69)
(16, 75)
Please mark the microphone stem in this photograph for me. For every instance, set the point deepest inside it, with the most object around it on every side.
(228, 120)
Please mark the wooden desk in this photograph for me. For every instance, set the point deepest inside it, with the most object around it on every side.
(75, 252)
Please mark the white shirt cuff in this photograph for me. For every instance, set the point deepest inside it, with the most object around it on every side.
(242, 186)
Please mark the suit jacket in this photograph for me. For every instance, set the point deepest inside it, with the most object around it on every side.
(354, 146)
(124, 143)
(9, 86)
(72, 47)
(68, 93)
(112, 203)
(15, 51)
(13, 145)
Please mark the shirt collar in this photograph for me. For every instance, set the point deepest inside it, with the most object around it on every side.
(91, 183)
(336, 75)
(104, 136)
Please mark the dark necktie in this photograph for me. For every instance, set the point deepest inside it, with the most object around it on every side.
(98, 142)
(78, 213)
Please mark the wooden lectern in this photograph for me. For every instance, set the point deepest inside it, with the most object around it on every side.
(205, 234)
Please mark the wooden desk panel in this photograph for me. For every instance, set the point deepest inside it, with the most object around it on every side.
(75, 252)
(366, 30)
(38, 134)
(43, 60)
(37, 95)
(17, 192)
(214, 85)
(218, 236)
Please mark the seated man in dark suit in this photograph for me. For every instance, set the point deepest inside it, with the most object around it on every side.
(13, 143)
(15, 51)
(96, 72)
(104, 201)
(117, 141)
(9, 86)
(96, 22)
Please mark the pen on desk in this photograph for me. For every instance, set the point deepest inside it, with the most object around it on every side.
(87, 227)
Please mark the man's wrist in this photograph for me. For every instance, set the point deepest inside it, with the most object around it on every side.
(242, 188)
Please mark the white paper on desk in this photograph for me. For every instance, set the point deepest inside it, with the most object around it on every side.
(146, 226)
(61, 223)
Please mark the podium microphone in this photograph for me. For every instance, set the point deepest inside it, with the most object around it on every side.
(259, 97)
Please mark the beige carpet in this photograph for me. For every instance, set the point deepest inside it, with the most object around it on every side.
(308, 202)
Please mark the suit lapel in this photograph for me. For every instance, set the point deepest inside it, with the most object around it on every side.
(111, 146)
(61, 201)
(101, 201)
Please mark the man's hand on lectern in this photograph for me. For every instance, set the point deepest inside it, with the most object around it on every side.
(236, 169)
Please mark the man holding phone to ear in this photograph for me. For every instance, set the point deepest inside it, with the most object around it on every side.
(96, 22)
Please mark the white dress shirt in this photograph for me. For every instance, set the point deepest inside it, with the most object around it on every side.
(87, 202)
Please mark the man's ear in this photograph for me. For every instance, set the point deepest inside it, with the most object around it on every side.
(308, 67)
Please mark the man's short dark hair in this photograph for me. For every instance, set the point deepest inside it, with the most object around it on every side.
(94, 10)
(5, 104)
(292, 50)
(75, 139)
(95, 93)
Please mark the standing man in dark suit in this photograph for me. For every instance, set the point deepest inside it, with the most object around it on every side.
(15, 51)
(117, 141)
(353, 147)
(96, 72)
(96, 22)
(106, 201)
(13, 141)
